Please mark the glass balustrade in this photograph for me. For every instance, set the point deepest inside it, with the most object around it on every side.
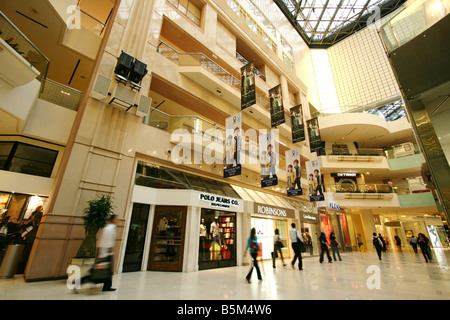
(349, 187)
(23, 46)
(416, 17)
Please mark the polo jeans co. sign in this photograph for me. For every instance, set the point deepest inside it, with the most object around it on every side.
(219, 201)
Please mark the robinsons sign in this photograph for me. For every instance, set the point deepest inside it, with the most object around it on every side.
(265, 209)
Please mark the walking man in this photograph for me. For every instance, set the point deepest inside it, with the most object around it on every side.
(295, 238)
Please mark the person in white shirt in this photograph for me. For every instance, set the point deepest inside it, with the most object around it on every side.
(106, 247)
(295, 236)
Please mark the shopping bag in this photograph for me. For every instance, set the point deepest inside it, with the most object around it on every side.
(101, 271)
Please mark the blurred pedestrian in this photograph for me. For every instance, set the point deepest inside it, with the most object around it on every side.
(106, 249)
(324, 247)
(296, 239)
(334, 246)
(277, 245)
(423, 243)
(378, 244)
(253, 245)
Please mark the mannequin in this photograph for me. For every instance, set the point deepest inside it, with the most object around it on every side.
(202, 238)
(215, 234)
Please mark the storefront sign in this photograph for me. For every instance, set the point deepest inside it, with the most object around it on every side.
(310, 216)
(346, 174)
(219, 201)
(334, 206)
(274, 211)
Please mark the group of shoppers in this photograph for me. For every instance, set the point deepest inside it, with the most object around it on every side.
(298, 246)
(378, 241)
(422, 241)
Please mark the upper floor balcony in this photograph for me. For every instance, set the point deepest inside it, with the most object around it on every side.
(223, 82)
(27, 97)
(411, 20)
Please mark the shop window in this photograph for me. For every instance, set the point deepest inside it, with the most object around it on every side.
(28, 159)
(217, 239)
(167, 246)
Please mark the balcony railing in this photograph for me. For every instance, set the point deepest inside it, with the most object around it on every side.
(359, 188)
(415, 18)
(355, 152)
(60, 94)
(200, 59)
(23, 46)
(195, 124)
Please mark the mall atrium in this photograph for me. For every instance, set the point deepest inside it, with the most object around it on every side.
(136, 100)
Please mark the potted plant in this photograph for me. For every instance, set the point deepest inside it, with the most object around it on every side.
(95, 217)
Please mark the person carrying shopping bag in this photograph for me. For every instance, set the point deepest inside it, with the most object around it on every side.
(253, 245)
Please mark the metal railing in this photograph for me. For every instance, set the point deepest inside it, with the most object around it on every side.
(200, 59)
(60, 94)
(358, 188)
(355, 152)
(23, 46)
(198, 125)
(415, 17)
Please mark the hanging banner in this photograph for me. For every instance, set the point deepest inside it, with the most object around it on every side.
(268, 160)
(297, 126)
(276, 106)
(315, 142)
(248, 93)
(315, 181)
(233, 146)
(293, 172)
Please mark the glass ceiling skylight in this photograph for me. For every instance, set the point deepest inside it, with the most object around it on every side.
(324, 22)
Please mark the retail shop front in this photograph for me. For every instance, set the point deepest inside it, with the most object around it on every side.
(266, 213)
(187, 223)
(333, 219)
(268, 218)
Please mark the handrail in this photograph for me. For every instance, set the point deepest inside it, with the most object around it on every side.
(411, 20)
(355, 152)
(358, 188)
(44, 70)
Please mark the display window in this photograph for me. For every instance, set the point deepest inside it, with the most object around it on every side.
(217, 246)
(166, 252)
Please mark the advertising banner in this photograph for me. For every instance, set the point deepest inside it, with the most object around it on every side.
(315, 142)
(248, 93)
(315, 181)
(297, 126)
(233, 146)
(293, 172)
(268, 160)
(276, 106)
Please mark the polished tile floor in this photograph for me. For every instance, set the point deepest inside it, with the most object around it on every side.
(359, 276)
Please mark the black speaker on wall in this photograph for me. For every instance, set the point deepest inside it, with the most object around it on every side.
(138, 71)
(124, 66)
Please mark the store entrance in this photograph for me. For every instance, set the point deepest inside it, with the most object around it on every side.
(265, 231)
(136, 238)
(167, 245)
(217, 247)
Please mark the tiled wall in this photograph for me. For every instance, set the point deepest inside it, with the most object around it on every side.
(361, 70)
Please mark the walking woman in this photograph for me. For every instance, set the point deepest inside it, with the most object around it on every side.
(423, 243)
(253, 245)
(324, 247)
(277, 245)
(334, 246)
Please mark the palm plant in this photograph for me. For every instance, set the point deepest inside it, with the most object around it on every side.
(95, 217)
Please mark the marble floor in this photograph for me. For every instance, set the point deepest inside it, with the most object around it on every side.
(359, 276)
